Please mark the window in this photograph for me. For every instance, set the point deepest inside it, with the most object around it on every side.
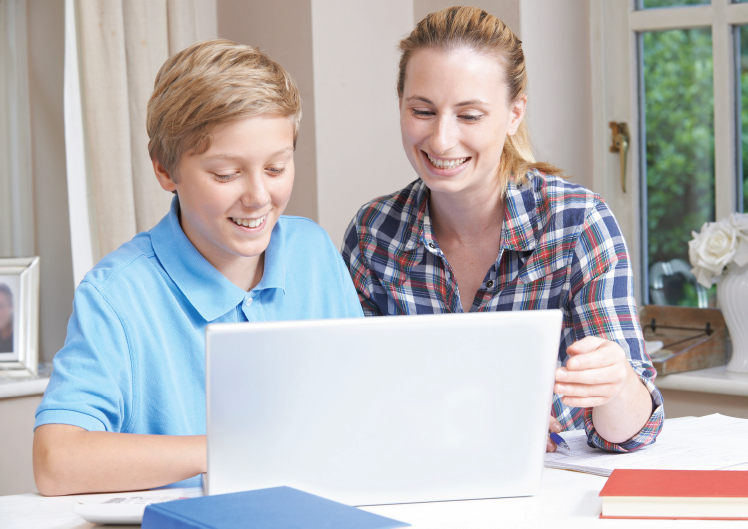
(677, 72)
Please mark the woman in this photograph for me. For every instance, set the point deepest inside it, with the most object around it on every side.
(486, 227)
(6, 319)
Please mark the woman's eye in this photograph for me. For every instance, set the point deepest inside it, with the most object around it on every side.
(276, 170)
(471, 117)
(226, 177)
(422, 113)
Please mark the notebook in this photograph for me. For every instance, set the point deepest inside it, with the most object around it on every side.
(676, 494)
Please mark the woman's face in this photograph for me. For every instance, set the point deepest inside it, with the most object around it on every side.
(6, 310)
(454, 118)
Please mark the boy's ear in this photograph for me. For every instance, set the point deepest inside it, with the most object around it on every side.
(167, 184)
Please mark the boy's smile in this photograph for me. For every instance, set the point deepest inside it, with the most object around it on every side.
(231, 196)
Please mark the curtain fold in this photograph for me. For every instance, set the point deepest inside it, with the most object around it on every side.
(16, 185)
(121, 46)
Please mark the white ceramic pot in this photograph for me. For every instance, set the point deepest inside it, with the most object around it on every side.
(732, 293)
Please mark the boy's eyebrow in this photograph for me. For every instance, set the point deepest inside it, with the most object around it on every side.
(222, 156)
(461, 104)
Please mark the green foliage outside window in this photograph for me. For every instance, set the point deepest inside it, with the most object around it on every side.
(679, 125)
(743, 36)
(671, 3)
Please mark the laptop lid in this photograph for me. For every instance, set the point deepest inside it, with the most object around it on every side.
(382, 410)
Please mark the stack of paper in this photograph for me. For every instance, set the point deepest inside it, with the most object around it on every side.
(714, 442)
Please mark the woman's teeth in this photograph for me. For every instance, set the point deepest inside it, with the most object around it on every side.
(446, 164)
(249, 223)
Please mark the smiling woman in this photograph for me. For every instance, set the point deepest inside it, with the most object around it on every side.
(485, 227)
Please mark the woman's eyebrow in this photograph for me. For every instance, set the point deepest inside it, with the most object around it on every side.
(461, 104)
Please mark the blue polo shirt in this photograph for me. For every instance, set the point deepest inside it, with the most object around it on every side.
(134, 356)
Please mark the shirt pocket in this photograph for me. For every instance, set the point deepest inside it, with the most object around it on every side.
(546, 261)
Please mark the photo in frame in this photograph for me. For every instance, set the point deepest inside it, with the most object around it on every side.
(19, 316)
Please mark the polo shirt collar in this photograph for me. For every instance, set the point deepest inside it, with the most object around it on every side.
(209, 291)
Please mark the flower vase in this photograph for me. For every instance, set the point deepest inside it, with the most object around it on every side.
(732, 293)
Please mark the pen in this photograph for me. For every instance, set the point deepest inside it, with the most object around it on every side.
(559, 440)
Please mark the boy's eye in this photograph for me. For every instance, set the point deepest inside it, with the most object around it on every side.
(423, 113)
(226, 177)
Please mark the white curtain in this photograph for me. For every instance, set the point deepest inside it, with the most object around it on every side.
(16, 189)
(119, 46)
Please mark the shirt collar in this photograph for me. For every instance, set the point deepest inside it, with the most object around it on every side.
(521, 219)
(209, 291)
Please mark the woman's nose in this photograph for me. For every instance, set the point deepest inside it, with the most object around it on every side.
(444, 137)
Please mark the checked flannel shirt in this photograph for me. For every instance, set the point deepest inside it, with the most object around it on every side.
(561, 248)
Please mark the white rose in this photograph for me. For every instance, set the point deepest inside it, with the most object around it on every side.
(711, 250)
(739, 221)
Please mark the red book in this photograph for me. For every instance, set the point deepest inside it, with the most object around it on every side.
(676, 494)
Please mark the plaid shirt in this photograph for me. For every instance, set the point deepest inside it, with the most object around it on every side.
(561, 248)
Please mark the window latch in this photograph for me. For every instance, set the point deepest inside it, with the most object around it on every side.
(620, 132)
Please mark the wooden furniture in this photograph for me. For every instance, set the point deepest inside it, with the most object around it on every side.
(692, 338)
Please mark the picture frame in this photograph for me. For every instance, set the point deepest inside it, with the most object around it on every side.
(19, 316)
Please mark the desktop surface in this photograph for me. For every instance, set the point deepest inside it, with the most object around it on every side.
(566, 500)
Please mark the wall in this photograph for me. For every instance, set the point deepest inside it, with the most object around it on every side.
(556, 42)
(17, 418)
(283, 30)
(359, 150)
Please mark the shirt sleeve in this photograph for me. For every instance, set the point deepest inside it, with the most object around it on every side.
(601, 303)
(351, 297)
(91, 383)
(359, 272)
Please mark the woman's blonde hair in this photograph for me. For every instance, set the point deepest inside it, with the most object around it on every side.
(471, 27)
(208, 84)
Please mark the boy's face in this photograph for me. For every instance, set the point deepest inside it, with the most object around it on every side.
(232, 195)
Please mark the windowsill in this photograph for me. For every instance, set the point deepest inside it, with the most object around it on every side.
(712, 380)
(23, 387)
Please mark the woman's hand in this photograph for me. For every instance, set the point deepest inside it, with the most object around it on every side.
(595, 373)
(599, 376)
(553, 426)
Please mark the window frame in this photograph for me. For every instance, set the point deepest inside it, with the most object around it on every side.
(616, 28)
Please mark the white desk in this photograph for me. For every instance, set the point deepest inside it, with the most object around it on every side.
(567, 499)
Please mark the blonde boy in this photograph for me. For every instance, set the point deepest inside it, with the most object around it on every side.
(125, 408)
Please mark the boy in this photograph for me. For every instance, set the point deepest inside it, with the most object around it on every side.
(125, 408)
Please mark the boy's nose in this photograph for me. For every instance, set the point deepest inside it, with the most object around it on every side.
(255, 193)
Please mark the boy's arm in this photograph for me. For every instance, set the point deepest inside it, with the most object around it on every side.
(71, 460)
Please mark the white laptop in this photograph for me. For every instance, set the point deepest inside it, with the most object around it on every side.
(382, 410)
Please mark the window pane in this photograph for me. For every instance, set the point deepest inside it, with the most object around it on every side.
(647, 4)
(742, 35)
(679, 130)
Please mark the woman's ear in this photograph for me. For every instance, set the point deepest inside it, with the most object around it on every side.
(516, 114)
(164, 179)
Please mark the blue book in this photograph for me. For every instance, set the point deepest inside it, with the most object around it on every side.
(276, 508)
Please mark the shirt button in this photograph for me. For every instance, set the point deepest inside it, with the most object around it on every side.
(432, 245)
(247, 302)
(489, 283)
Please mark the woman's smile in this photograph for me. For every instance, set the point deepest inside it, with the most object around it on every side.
(445, 166)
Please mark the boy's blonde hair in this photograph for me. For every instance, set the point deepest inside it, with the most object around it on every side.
(471, 27)
(208, 84)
